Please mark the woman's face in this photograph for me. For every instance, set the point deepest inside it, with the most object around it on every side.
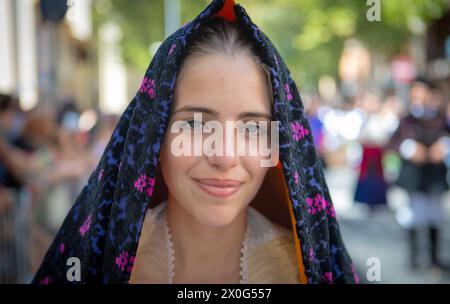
(214, 189)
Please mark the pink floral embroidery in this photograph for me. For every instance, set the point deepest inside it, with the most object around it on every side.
(288, 92)
(299, 131)
(318, 203)
(46, 280)
(148, 86)
(61, 247)
(311, 254)
(328, 277)
(296, 177)
(140, 183)
(145, 183)
(124, 261)
(86, 225)
(172, 47)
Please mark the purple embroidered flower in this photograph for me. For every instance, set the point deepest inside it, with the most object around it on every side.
(172, 47)
(328, 277)
(298, 131)
(145, 183)
(122, 260)
(125, 262)
(85, 227)
(100, 174)
(287, 90)
(46, 280)
(148, 86)
(311, 254)
(141, 183)
(311, 209)
(319, 203)
(61, 247)
(296, 177)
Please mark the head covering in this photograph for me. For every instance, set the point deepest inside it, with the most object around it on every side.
(106, 220)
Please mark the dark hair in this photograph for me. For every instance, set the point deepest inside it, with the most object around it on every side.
(422, 80)
(218, 35)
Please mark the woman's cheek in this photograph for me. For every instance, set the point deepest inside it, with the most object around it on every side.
(256, 172)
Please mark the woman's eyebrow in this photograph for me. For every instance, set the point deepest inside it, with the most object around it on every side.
(255, 114)
(196, 109)
(215, 113)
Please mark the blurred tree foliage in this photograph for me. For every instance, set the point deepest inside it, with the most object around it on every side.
(310, 34)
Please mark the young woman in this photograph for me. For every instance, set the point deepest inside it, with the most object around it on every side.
(152, 215)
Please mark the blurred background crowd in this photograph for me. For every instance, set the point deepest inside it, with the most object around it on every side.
(374, 78)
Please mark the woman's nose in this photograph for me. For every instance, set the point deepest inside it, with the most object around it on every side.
(223, 162)
(224, 156)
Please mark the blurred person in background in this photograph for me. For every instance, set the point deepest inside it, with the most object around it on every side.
(41, 154)
(422, 141)
(11, 117)
(379, 123)
(12, 180)
(11, 123)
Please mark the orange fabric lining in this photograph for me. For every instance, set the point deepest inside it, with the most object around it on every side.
(227, 11)
(301, 267)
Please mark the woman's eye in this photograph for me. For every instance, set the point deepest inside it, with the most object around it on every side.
(195, 124)
(254, 129)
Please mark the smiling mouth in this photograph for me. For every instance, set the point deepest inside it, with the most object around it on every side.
(218, 187)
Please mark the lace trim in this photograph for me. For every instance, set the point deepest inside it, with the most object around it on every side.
(244, 253)
(170, 252)
(254, 235)
(268, 235)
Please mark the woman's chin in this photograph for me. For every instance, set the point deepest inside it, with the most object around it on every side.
(217, 217)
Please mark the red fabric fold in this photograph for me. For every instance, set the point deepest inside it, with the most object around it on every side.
(227, 11)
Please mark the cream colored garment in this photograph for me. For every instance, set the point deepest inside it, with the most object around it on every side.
(269, 253)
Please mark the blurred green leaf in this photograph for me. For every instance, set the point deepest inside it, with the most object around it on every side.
(309, 34)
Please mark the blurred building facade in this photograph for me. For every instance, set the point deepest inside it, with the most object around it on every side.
(47, 53)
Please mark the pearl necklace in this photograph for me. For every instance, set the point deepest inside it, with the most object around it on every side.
(171, 254)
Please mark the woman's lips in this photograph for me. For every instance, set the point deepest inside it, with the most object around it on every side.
(218, 187)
